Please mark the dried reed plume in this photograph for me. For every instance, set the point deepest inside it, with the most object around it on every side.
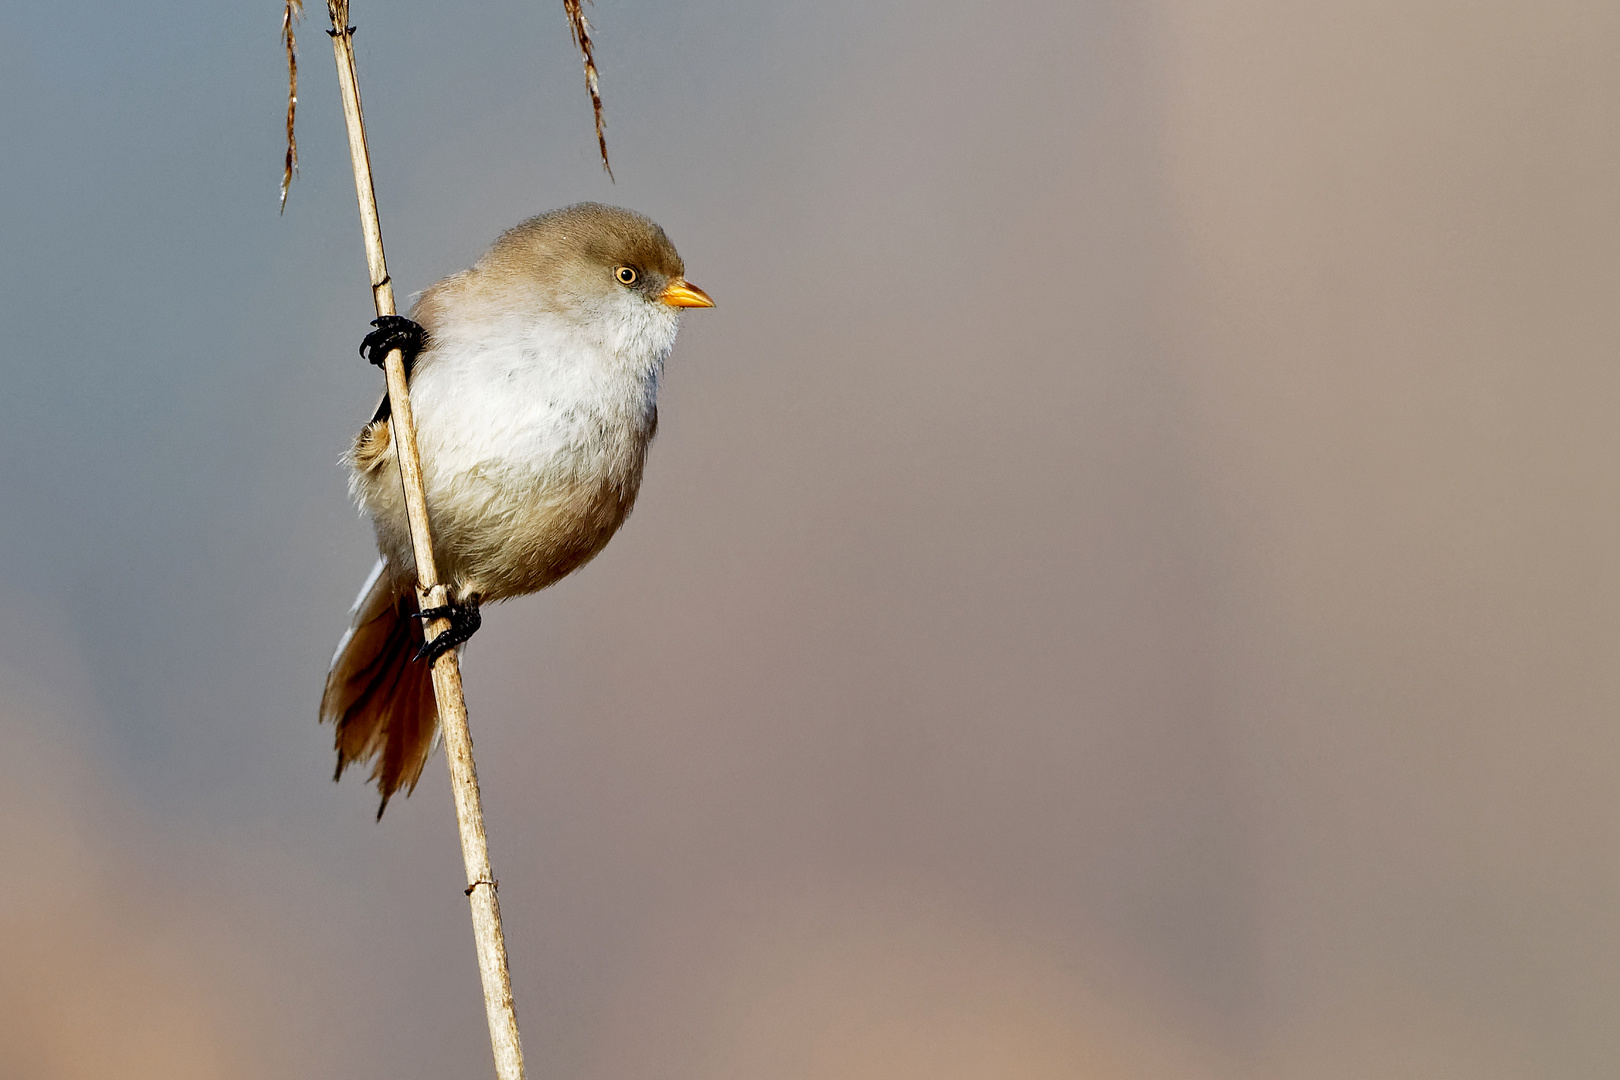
(291, 14)
(293, 11)
(580, 28)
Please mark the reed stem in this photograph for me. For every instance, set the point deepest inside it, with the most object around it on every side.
(430, 592)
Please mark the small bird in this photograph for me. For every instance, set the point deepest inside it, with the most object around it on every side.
(534, 384)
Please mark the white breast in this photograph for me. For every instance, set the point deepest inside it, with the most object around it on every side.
(520, 421)
(538, 392)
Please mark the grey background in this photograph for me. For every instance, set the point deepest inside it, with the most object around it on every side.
(1123, 586)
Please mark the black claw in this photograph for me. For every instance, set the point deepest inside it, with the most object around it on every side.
(464, 623)
(393, 332)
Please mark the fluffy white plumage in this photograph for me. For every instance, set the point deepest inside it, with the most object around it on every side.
(522, 418)
(535, 397)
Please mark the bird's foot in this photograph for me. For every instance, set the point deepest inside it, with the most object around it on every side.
(464, 623)
(393, 332)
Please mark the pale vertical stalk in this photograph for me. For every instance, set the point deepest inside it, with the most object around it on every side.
(486, 908)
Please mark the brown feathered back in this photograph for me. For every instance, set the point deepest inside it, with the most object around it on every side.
(380, 699)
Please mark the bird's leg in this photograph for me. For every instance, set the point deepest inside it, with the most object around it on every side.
(394, 332)
(464, 623)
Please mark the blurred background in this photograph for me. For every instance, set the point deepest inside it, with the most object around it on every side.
(1125, 585)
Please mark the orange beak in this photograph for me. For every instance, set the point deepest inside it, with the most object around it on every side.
(682, 293)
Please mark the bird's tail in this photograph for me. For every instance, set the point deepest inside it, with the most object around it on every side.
(378, 697)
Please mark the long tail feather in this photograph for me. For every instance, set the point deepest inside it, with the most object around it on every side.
(378, 698)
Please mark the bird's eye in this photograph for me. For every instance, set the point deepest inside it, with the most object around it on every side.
(626, 274)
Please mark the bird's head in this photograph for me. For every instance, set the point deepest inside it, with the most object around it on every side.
(597, 258)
